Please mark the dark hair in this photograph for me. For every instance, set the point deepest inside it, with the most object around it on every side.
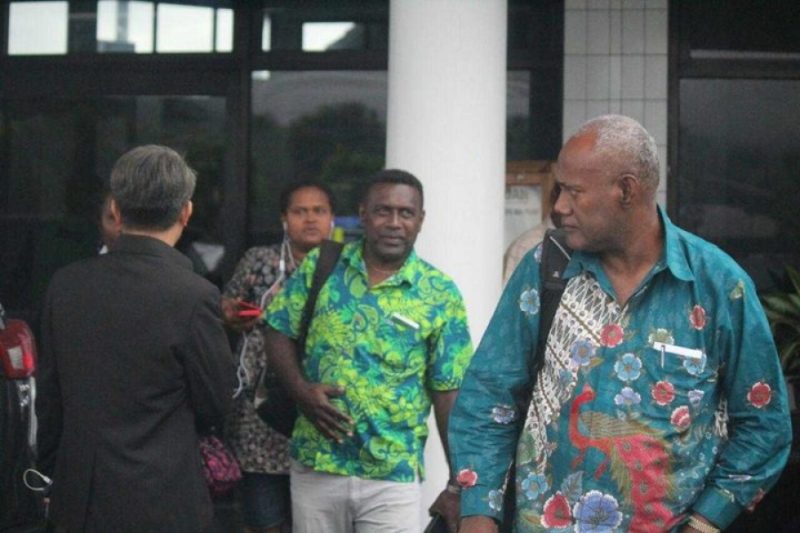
(394, 177)
(151, 184)
(286, 194)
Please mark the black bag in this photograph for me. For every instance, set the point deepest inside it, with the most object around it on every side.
(272, 402)
(555, 257)
(436, 525)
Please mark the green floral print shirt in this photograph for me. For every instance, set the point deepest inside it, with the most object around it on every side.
(641, 414)
(387, 346)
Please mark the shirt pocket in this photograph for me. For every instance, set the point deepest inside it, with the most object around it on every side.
(679, 376)
(401, 340)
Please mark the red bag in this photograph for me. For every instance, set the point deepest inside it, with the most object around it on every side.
(219, 465)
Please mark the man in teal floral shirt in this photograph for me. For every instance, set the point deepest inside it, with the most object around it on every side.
(660, 406)
(388, 338)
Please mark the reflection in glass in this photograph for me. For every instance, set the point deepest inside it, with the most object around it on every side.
(117, 26)
(518, 115)
(59, 155)
(37, 28)
(266, 33)
(737, 174)
(329, 26)
(190, 29)
(124, 26)
(322, 125)
(321, 36)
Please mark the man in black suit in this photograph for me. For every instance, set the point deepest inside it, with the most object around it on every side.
(134, 358)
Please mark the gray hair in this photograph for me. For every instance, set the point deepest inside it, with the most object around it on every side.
(151, 184)
(626, 141)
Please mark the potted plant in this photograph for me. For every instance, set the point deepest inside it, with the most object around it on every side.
(783, 313)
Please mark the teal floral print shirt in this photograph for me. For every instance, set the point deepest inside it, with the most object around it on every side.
(387, 346)
(642, 414)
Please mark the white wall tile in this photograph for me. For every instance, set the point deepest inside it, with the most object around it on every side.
(615, 77)
(575, 32)
(633, 4)
(595, 108)
(655, 120)
(598, 4)
(615, 32)
(656, 4)
(598, 80)
(616, 4)
(575, 77)
(633, 77)
(634, 109)
(655, 30)
(632, 32)
(575, 4)
(615, 106)
(574, 116)
(655, 76)
(598, 27)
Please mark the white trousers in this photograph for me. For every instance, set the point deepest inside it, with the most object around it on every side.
(344, 504)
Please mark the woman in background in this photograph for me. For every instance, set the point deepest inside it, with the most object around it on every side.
(307, 211)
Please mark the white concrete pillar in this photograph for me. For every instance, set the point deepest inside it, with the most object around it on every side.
(446, 125)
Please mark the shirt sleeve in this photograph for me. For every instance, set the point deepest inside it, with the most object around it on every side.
(759, 426)
(286, 309)
(451, 346)
(491, 405)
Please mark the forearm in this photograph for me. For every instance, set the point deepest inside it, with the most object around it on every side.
(442, 405)
(282, 356)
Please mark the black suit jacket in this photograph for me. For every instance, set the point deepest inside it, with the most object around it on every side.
(133, 358)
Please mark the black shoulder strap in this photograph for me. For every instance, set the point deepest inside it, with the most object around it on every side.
(329, 252)
(555, 256)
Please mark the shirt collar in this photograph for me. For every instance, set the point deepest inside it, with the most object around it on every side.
(353, 255)
(673, 258)
(142, 244)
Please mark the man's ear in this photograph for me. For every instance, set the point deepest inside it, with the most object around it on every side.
(113, 208)
(186, 213)
(629, 186)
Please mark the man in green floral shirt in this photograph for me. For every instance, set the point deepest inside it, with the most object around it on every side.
(387, 339)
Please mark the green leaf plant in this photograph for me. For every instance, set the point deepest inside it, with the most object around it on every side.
(783, 313)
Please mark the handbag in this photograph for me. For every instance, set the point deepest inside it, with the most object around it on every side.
(271, 400)
(220, 467)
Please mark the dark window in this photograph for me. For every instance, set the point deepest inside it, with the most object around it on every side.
(322, 125)
(734, 110)
(58, 154)
(256, 94)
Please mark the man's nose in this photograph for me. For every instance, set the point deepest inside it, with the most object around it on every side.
(394, 218)
(561, 206)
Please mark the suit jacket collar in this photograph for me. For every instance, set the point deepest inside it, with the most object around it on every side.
(141, 244)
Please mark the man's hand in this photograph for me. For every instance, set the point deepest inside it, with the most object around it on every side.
(478, 524)
(313, 400)
(447, 505)
(230, 315)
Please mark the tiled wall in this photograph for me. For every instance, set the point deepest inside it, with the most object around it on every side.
(615, 61)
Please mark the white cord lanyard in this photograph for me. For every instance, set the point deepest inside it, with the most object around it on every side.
(242, 373)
